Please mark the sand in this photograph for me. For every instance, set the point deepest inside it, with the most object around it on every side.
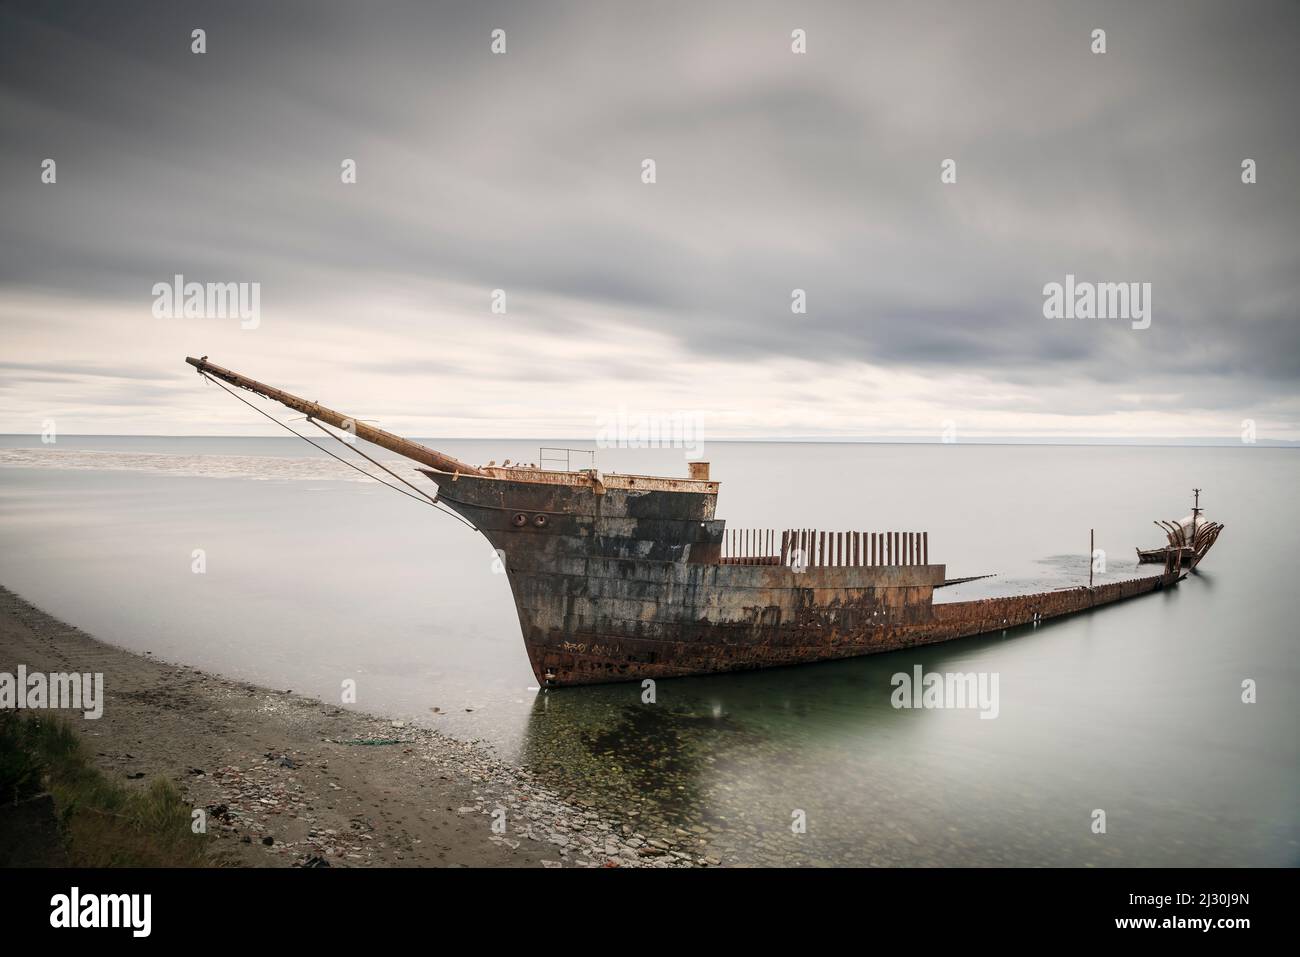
(265, 764)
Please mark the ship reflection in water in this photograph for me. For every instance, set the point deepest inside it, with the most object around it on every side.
(726, 764)
(1133, 709)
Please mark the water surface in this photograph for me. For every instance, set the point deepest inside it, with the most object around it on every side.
(314, 575)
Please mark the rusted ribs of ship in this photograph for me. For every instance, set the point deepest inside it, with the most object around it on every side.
(622, 577)
(1188, 539)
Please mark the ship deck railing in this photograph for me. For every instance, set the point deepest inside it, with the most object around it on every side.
(813, 548)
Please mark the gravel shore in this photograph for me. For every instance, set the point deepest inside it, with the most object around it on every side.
(286, 780)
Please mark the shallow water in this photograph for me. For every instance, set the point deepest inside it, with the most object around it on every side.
(314, 576)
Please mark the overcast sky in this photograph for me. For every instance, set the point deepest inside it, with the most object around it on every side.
(775, 171)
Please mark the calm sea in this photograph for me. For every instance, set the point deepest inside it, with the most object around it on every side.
(314, 575)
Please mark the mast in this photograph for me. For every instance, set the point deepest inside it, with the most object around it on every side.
(394, 443)
(1196, 510)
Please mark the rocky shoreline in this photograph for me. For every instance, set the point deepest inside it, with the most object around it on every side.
(286, 780)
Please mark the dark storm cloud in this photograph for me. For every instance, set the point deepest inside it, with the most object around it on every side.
(776, 172)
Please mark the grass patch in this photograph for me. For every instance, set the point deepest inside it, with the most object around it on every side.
(103, 823)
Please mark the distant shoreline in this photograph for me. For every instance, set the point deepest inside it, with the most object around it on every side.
(287, 780)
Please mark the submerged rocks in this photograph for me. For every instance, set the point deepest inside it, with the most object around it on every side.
(515, 812)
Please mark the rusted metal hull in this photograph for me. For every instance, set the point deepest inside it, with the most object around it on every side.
(783, 624)
(1158, 556)
(625, 583)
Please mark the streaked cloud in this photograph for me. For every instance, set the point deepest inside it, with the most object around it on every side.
(776, 172)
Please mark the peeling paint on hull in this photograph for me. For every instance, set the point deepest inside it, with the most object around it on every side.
(619, 581)
(592, 657)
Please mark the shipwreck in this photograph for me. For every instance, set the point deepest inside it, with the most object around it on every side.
(624, 577)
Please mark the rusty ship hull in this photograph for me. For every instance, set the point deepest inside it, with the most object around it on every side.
(620, 578)
(625, 577)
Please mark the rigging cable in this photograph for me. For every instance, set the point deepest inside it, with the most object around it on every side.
(373, 462)
(427, 500)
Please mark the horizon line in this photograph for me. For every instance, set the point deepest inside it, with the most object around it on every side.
(1089, 440)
